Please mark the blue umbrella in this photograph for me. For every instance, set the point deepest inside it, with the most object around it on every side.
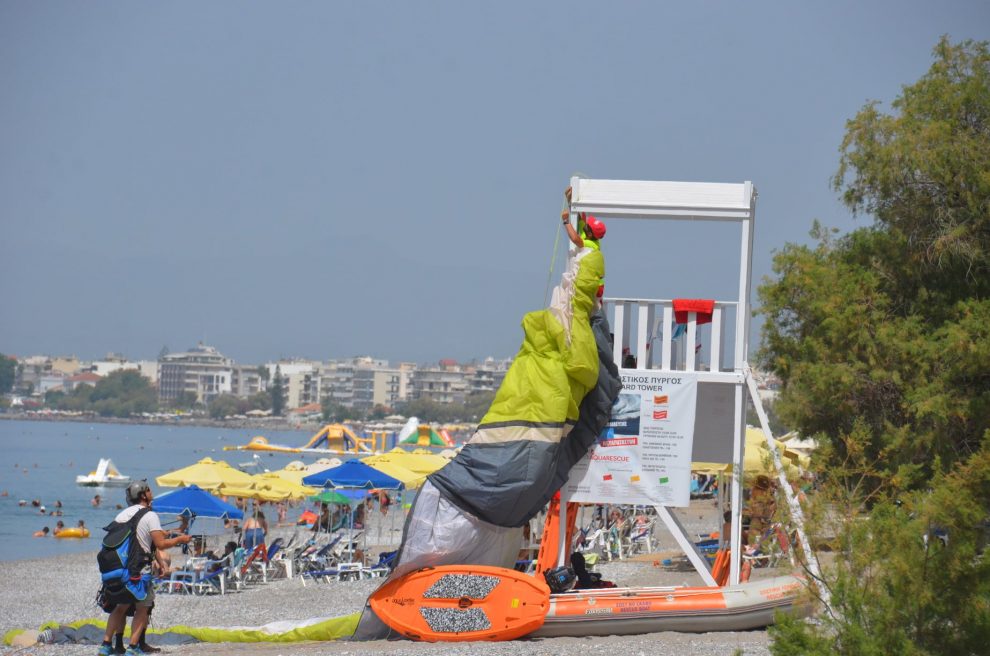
(194, 501)
(354, 474)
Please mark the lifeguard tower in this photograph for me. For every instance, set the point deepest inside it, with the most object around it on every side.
(645, 329)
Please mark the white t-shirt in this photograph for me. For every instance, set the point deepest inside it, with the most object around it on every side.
(148, 523)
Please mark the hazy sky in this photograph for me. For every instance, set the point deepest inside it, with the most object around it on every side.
(339, 178)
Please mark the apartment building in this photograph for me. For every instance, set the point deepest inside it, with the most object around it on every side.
(300, 380)
(446, 382)
(202, 371)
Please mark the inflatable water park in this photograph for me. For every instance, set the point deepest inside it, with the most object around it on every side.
(340, 439)
(569, 427)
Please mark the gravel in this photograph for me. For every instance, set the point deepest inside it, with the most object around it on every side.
(63, 589)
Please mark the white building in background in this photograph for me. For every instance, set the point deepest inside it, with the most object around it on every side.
(114, 362)
(379, 384)
(488, 375)
(202, 371)
(446, 382)
(300, 379)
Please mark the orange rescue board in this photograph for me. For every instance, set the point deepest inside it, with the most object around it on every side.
(455, 603)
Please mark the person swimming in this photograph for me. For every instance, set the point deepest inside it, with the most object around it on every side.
(43, 533)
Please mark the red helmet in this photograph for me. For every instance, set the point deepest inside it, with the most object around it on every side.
(595, 227)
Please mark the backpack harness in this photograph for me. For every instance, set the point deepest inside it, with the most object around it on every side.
(122, 559)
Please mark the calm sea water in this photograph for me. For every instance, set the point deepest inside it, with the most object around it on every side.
(42, 460)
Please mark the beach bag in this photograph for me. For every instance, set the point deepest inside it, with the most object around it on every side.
(121, 560)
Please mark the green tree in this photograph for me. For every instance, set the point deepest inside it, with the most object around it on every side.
(122, 394)
(332, 411)
(8, 373)
(277, 391)
(260, 401)
(226, 405)
(185, 401)
(378, 412)
(882, 340)
(476, 405)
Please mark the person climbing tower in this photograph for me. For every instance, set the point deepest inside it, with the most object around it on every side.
(588, 234)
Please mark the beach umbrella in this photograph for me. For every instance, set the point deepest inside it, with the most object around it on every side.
(273, 482)
(353, 474)
(194, 501)
(409, 479)
(330, 496)
(251, 492)
(418, 463)
(208, 474)
(757, 459)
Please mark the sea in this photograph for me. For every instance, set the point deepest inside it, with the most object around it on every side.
(43, 458)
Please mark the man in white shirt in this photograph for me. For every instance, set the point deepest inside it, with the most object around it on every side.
(150, 537)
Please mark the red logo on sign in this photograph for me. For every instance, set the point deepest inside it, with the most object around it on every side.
(659, 414)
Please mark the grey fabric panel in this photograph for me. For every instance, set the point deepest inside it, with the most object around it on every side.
(508, 483)
(593, 413)
(90, 634)
(499, 483)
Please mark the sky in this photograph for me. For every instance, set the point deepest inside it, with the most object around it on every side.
(330, 179)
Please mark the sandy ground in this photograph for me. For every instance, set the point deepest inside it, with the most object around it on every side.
(63, 588)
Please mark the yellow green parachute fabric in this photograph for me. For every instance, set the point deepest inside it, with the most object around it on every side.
(511, 461)
(556, 398)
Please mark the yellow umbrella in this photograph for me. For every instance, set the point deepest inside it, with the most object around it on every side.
(408, 478)
(757, 460)
(254, 493)
(418, 463)
(208, 474)
(271, 481)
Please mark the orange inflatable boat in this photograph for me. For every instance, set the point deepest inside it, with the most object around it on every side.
(455, 603)
(621, 611)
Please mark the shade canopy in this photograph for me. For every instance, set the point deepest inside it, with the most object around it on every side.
(758, 459)
(330, 496)
(272, 481)
(194, 501)
(353, 474)
(418, 463)
(207, 474)
(251, 492)
(409, 479)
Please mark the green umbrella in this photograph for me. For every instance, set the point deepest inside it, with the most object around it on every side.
(329, 496)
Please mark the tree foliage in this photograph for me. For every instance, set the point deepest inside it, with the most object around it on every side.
(8, 373)
(473, 408)
(882, 341)
(121, 394)
(277, 391)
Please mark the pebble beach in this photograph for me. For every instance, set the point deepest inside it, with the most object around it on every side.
(63, 589)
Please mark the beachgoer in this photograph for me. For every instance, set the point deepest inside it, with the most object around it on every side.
(58, 503)
(96, 501)
(255, 529)
(42, 511)
(150, 537)
(59, 527)
(283, 510)
(585, 579)
(43, 533)
(761, 506)
(81, 524)
(324, 522)
(384, 501)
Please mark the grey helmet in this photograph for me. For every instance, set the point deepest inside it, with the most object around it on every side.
(135, 490)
